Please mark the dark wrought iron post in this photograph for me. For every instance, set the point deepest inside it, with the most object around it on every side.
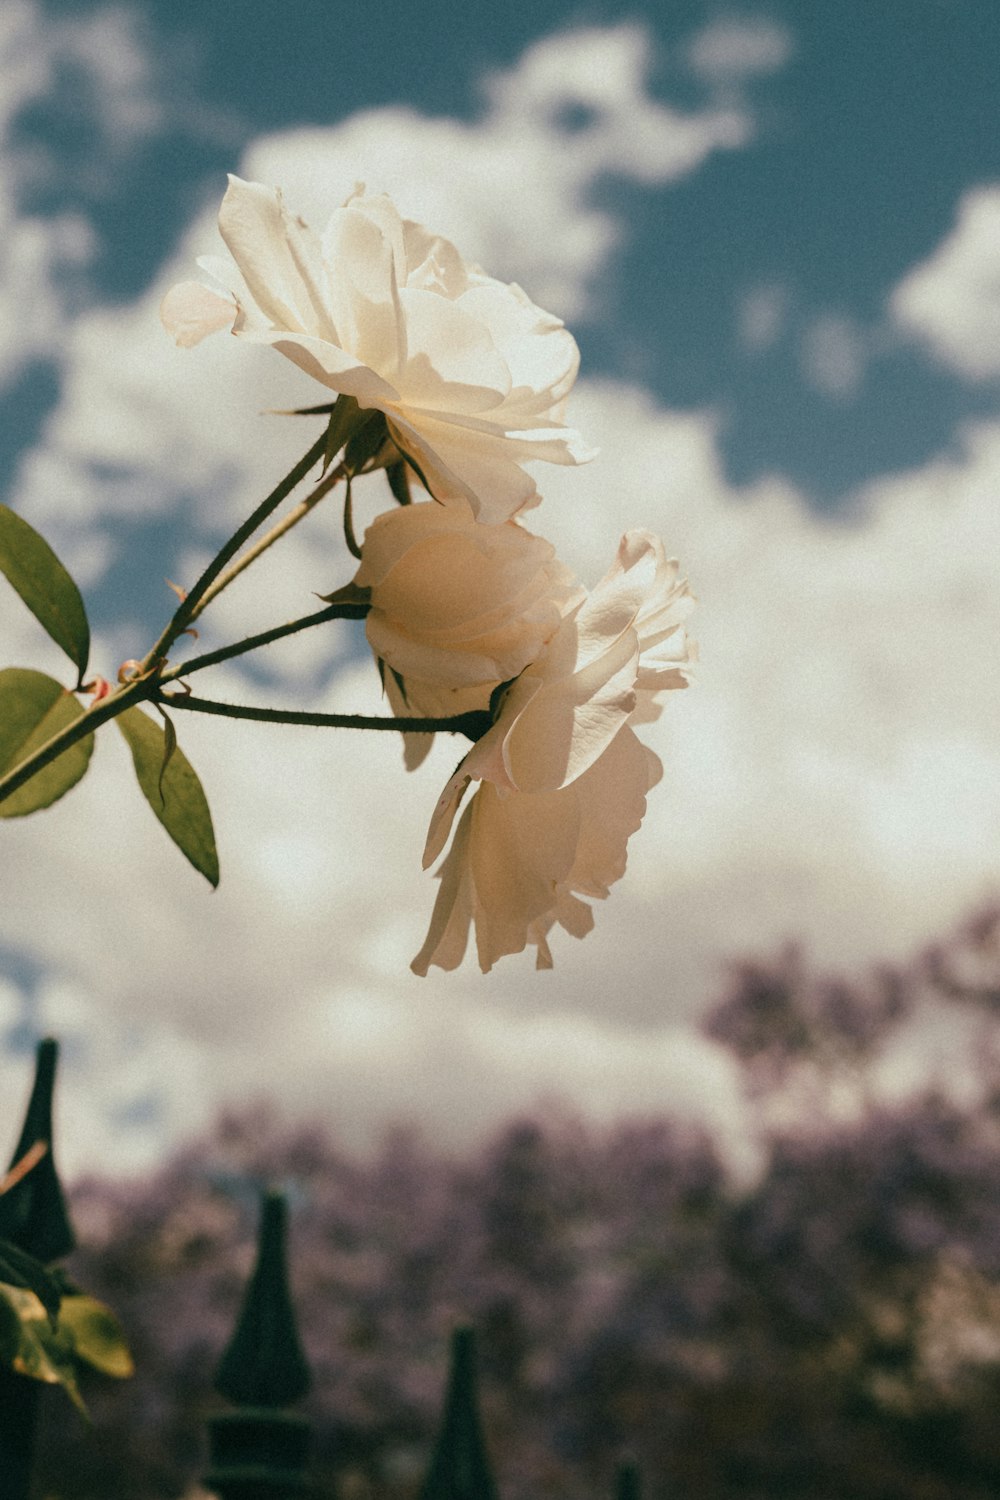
(258, 1452)
(460, 1468)
(627, 1485)
(33, 1216)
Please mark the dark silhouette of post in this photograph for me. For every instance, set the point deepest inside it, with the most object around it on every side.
(627, 1485)
(259, 1452)
(33, 1217)
(460, 1468)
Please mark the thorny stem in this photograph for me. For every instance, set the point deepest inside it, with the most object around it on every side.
(473, 725)
(143, 685)
(189, 606)
(146, 688)
(345, 610)
(293, 517)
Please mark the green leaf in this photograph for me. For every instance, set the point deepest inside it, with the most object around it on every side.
(173, 791)
(44, 1352)
(97, 1335)
(34, 707)
(399, 482)
(39, 577)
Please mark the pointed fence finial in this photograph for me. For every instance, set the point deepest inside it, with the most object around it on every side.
(627, 1485)
(259, 1452)
(264, 1364)
(460, 1468)
(33, 1213)
(33, 1217)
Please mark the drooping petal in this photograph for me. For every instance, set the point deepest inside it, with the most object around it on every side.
(444, 815)
(460, 461)
(448, 934)
(191, 311)
(520, 850)
(612, 800)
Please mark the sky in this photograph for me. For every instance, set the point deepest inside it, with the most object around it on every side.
(775, 233)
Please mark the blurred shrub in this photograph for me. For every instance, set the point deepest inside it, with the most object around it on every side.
(831, 1329)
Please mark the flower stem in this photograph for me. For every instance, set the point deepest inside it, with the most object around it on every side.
(346, 610)
(268, 539)
(192, 602)
(473, 724)
(144, 683)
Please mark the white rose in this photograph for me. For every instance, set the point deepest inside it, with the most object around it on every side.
(519, 863)
(471, 375)
(564, 777)
(456, 607)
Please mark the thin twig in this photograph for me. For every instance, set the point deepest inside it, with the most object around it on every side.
(345, 611)
(294, 516)
(473, 724)
(189, 606)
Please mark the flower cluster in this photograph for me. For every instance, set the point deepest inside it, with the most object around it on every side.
(468, 612)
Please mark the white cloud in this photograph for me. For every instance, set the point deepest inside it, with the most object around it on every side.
(101, 59)
(833, 774)
(762, 317)
(951, 302)
(512, 188)
(834, 355)
(735, 49)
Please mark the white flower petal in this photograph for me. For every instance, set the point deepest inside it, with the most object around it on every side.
(453, 364)
(444, 815)
(190, 312)
(253, 224)
(471, 376)
(564, 777)
(448, 935)
(327, 363)
(362, 290)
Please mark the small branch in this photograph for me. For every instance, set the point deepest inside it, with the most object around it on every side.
(269, 538)
(472, 725)
(343, 611)
(183, 616)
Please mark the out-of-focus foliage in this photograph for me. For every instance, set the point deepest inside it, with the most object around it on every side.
(53, 1349)
(830, 1328)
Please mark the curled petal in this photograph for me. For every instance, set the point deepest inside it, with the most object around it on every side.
(448, 935)
(190, 312)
